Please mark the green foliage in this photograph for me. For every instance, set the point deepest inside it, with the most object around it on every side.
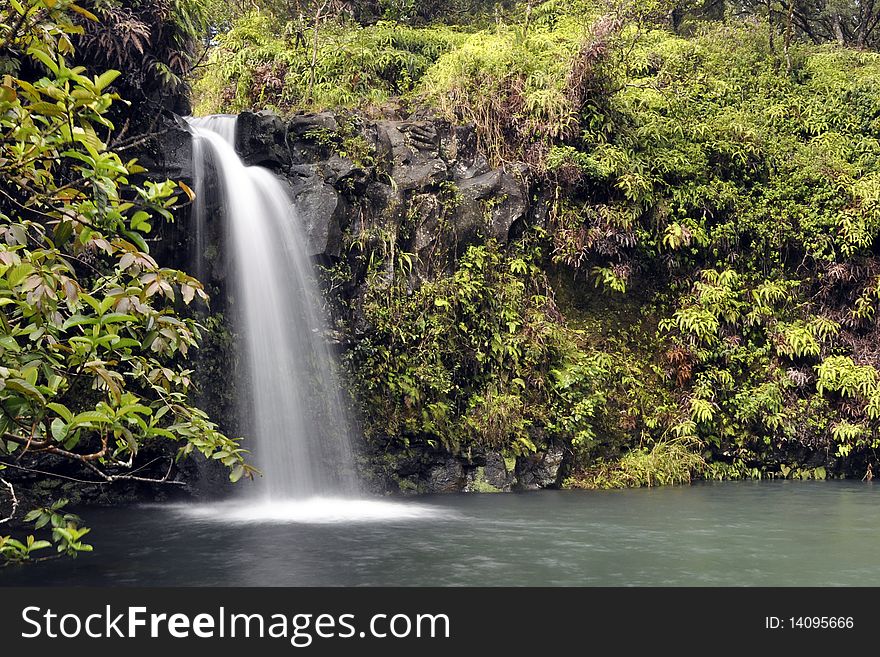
(65, 532)
(734, 150)
(818, 473)
(256, 65)
(534, 87)
(92, 338)
(512, 84)
(749, 193)
(846, 22)
(721, 187)
(732, 342)
(477, 358)
(14, 550)
(666, 463)
(725, 471)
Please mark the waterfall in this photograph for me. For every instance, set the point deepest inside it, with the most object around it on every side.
(289, 391)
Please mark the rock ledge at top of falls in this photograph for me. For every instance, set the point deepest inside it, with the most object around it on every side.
(396, 178)
(403, 163)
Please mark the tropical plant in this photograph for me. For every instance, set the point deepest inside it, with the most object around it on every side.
(260, 63)
(92, 334)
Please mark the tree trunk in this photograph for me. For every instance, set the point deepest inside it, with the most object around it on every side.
(838, 30)
(866, 14)
(315, 31)
(789, 30)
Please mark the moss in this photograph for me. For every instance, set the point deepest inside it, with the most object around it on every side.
(480, 485)
(407, 486)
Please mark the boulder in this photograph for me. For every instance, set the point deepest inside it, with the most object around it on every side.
(445, 477)
(540, 470)
(261, 139)
(169, 154)
(300, 125)
(460, 148)
(494, 200)
(347, 178)
(425, 210)
(494, 475)
(320, 208)
(414, 153)
(311, 137)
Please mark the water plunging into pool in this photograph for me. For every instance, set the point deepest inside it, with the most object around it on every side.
(294, 411)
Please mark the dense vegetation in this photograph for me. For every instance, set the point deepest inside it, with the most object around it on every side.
(715, 180)
(699, 300)
(91, 338)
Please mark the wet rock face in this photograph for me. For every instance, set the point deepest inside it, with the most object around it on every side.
(322, 211)
(447, 477)
(495, 475)
(402, 169)
(414, 153)
(496, 198)
(169, 154)
(488, 472)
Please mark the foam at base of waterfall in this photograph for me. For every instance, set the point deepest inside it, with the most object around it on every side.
(315, 510)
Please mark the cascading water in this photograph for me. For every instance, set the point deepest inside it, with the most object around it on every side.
(295, 413)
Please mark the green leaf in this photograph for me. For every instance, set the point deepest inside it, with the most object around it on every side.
(137, 239)
(25, 388)
(61, 409)
(44, 57)
(59, 429)
(8, 343)
(88, 417)
(7, 94)
(18, 273)
(139, 219)
(78, 320)
(63, 231)
(106, 79)
(117, 318)
(17, 544)
(33, 515)
(47, 109)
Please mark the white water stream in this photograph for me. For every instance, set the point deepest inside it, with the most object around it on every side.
(289, 389)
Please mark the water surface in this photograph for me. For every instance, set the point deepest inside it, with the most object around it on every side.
(731, 534)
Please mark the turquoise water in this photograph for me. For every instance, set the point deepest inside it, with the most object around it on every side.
(730, 534)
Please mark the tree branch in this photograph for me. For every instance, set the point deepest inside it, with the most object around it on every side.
(53, 474)
(106, 478)
(14, 501)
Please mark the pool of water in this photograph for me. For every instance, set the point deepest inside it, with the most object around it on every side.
(730, 534)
